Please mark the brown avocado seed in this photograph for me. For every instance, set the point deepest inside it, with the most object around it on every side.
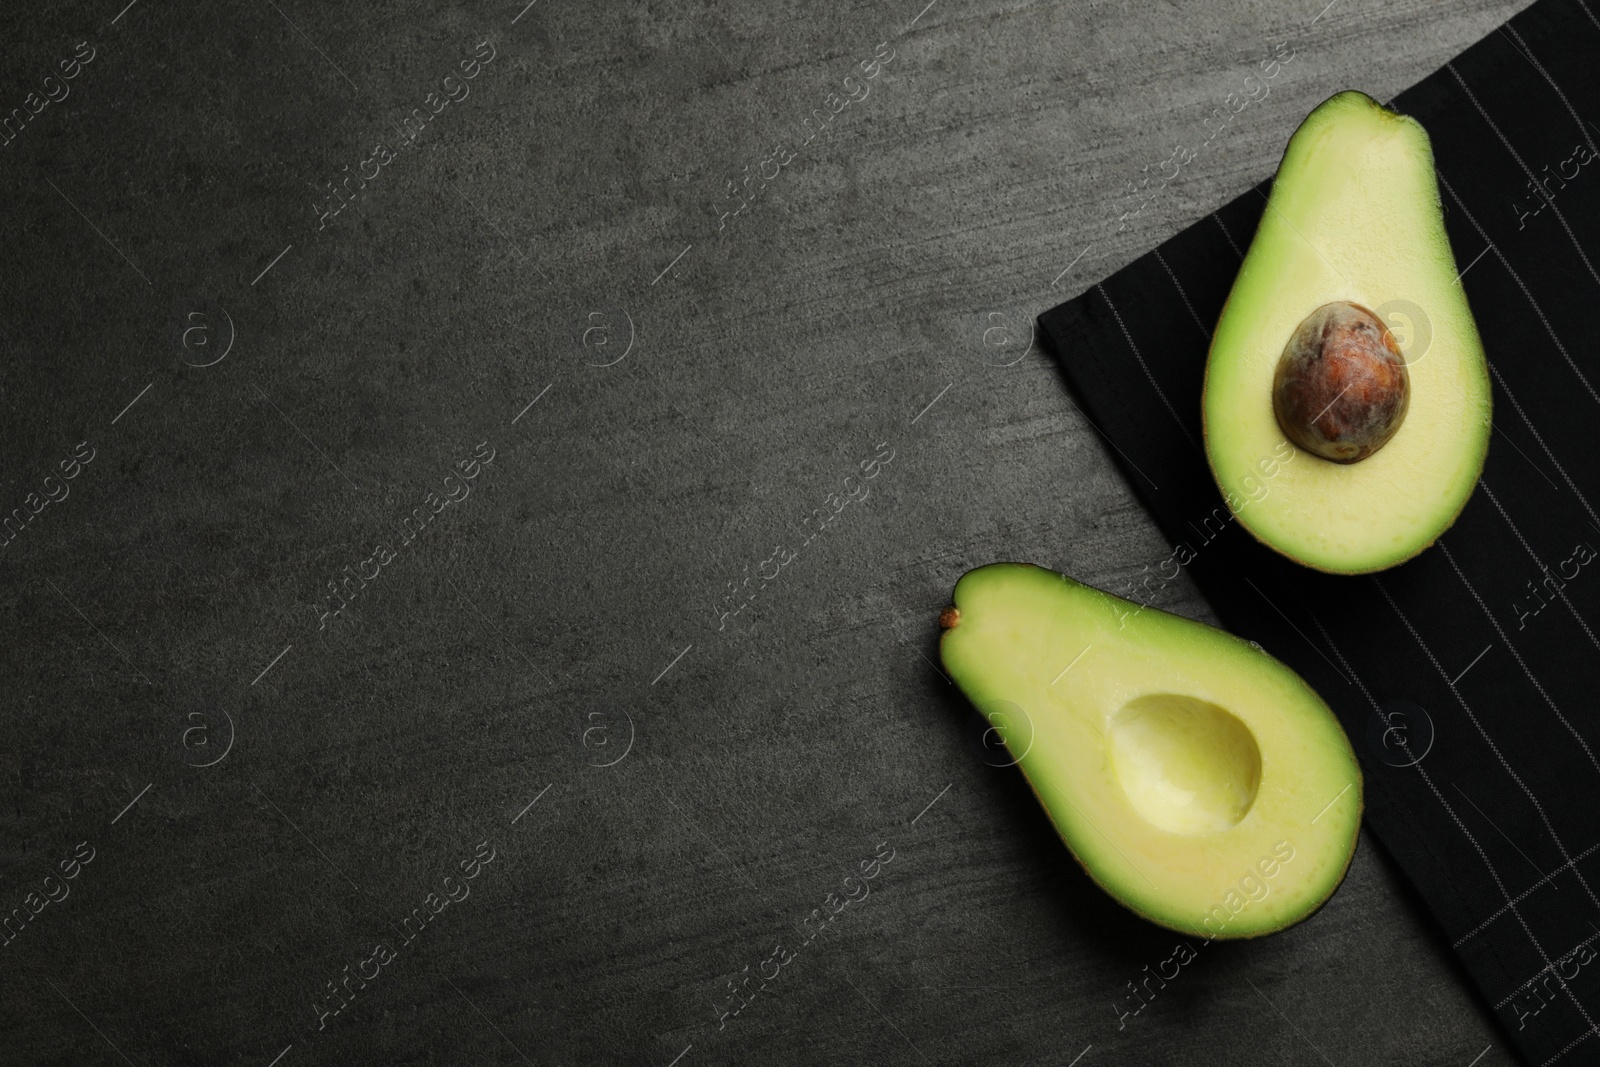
(1341, 388)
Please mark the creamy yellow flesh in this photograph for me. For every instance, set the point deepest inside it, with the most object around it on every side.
(1180, 764)
(1354, 215)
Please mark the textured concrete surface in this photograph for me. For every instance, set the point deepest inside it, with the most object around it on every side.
(648, 513)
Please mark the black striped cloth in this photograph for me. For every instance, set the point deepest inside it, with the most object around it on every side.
(1483, 652)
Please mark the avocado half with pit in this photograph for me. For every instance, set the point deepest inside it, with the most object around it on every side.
(1347, 400)
(1199, 781)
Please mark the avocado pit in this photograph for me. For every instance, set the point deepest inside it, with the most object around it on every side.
(1341, 388)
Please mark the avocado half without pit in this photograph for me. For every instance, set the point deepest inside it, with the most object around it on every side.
(1197, 780)
(1347, 401)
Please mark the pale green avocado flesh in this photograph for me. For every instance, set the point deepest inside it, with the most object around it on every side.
(1354, 215)
(1199, 781)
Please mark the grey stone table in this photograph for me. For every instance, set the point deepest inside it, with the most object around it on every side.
(481, 480)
